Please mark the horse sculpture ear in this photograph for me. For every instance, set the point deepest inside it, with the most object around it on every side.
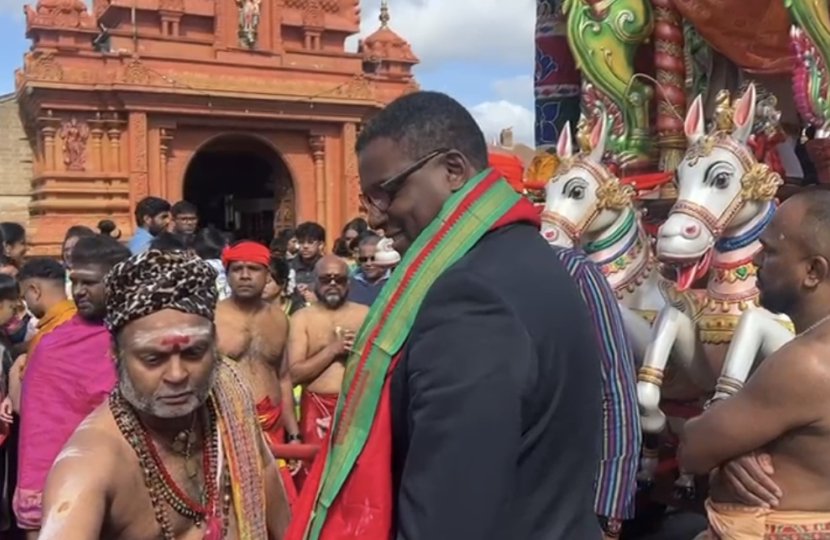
(565, 146)
(744, 115)
(599, 136)
(694, 123)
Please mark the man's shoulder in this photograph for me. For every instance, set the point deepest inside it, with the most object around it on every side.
(59, 336)
(97, 440)
(802, 361)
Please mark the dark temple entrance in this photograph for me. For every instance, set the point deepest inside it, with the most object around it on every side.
(241, 185)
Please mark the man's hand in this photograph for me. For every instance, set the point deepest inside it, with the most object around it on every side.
(6, 411)
(749, 478)
(348, 340)
(307, 294)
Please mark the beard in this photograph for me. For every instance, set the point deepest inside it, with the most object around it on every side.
(152, 405)
(333, 300)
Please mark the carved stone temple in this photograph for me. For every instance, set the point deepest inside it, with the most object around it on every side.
(247, 108)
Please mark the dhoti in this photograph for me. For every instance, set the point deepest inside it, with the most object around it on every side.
(270, 419)
(736, 522)
(316, 413)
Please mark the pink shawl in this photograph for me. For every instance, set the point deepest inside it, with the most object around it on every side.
(68, 375)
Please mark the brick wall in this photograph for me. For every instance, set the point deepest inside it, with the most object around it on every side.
(15, 164)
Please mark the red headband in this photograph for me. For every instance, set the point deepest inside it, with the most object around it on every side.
(246, 251)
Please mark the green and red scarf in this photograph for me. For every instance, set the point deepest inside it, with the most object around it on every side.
(349, 491)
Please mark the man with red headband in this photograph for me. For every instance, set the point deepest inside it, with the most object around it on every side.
(254, 333)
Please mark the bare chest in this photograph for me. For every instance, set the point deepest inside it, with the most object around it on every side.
(150, 508)
(323, 328)
(248, 338)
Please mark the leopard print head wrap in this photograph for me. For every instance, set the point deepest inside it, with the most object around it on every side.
(156, 280)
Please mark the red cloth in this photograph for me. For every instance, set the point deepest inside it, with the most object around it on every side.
(246, 251)
(509, 165)
(363, 508)
(270, 420)
(316, 413)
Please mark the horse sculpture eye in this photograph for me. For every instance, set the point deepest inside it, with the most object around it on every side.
(577, 192)
(721, 180)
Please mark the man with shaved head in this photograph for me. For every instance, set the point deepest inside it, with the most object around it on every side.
(767, 444)
(320, 337)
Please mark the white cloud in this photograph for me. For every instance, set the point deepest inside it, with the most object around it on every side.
(516, 89)
(463, 30)
(494, 116)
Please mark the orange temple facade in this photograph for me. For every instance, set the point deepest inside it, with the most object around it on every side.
(249, 109)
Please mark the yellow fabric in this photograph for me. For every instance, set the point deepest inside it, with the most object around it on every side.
(56, 316)
(736, 522)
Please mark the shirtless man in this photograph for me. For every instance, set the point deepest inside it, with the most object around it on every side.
(318, 344)
(253, 332)
(768, 444)
(175, 452)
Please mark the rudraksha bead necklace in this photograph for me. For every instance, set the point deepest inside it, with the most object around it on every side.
(161, 486)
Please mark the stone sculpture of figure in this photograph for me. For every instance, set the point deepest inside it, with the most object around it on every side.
(248, 21)
(74, 135)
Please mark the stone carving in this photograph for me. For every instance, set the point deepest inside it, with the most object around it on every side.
(42, 66)
(359, 87)
(248, 22)
(59, 13)
(47, 69)
(328, 6)
(74, 135)
(135, 73)
(138, 154)
(313, 15)
(171, 5)
(350, 169)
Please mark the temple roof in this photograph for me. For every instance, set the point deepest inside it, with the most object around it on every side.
(385, 44)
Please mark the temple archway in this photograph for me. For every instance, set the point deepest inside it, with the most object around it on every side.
(240, 184)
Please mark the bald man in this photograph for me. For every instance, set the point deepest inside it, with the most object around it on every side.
(768, 444)
(319, 340)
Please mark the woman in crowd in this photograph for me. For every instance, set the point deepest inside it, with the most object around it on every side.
(14, 241)
(9, 302)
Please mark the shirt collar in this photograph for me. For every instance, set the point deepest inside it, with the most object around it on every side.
(360, 276)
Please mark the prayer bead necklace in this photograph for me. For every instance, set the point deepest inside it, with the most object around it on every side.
(162, 488)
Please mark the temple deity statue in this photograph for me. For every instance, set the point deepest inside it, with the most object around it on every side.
(248, 21)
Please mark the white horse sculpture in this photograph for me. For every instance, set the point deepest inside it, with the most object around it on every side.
(725, 199)
(587, 205)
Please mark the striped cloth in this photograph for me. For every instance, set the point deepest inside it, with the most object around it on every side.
(616, 482)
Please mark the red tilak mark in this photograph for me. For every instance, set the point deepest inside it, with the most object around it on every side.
(175, 340)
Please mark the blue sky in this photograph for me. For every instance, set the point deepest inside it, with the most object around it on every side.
(478, 51)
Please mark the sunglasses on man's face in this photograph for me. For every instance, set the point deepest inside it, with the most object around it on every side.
(364, 260)
(380, 196)
(332, 279)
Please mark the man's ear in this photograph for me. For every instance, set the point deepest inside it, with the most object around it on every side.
(818, 271)
(457, 170)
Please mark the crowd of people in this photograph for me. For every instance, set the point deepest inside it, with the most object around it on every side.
(187, 384)
(57, 347)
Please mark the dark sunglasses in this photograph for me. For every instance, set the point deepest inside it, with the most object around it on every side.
(336, 279)
(380, 196)
(364, 260)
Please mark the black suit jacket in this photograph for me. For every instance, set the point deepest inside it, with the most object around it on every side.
(496, 401)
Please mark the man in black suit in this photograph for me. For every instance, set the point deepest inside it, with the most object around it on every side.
(495, 400)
